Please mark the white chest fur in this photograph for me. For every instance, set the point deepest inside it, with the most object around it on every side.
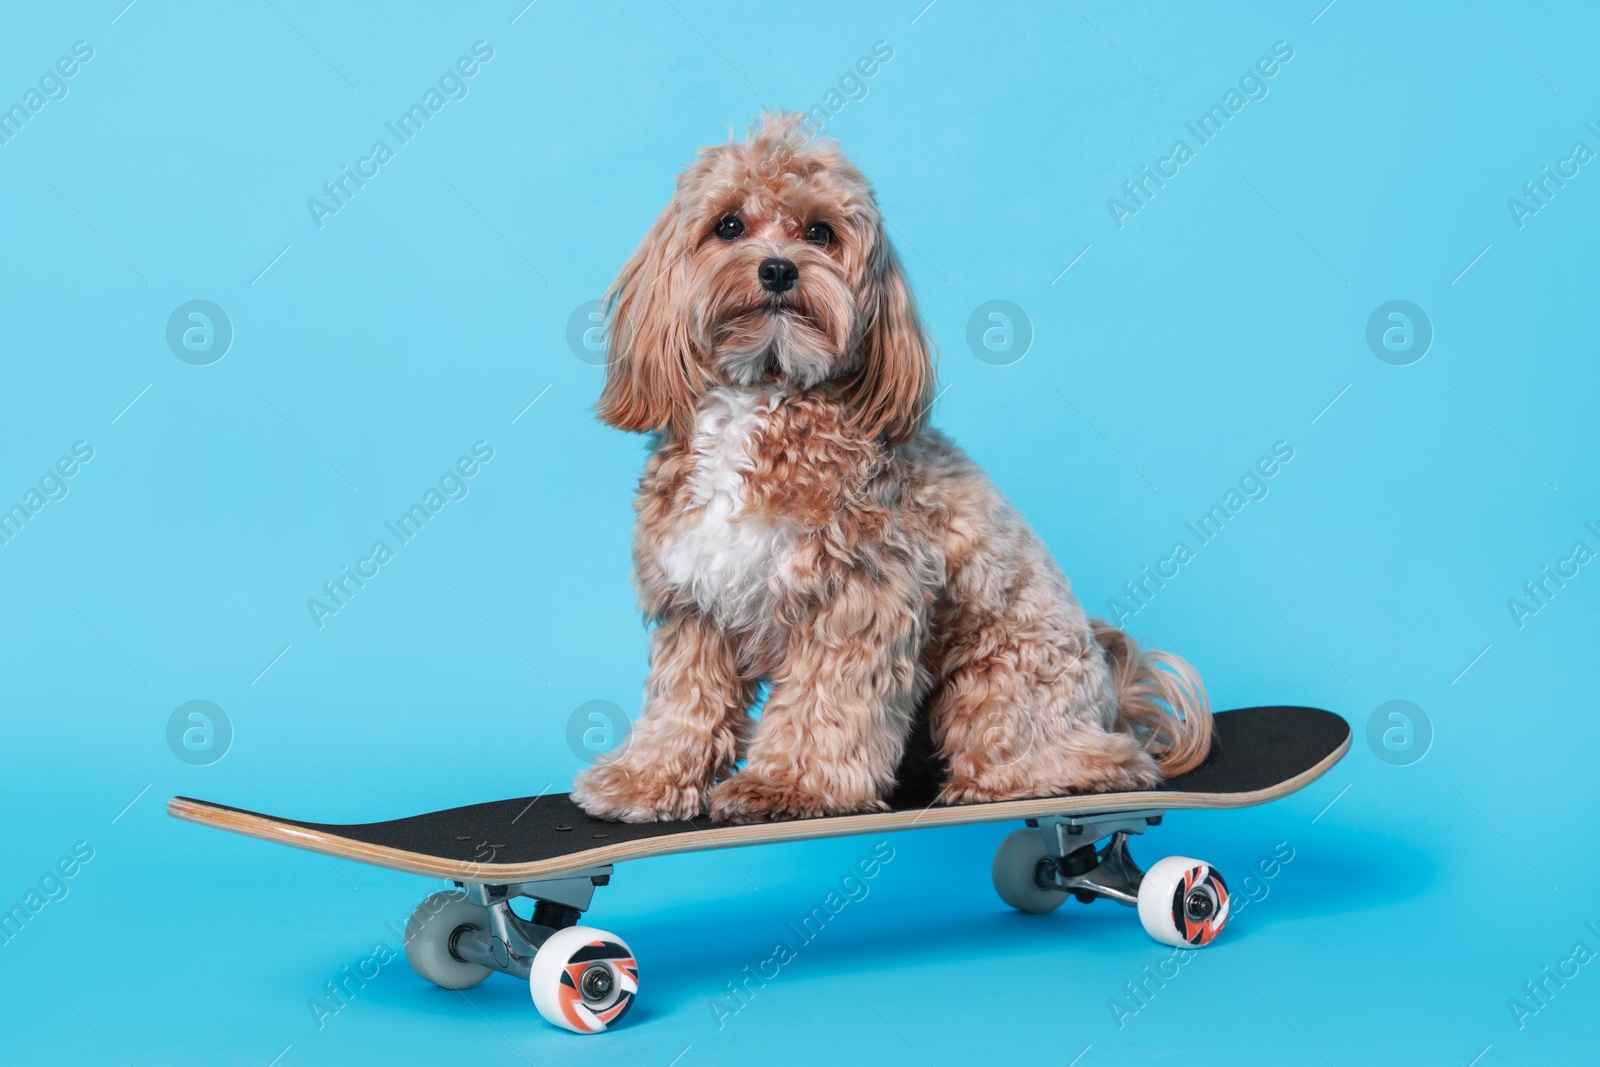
(726, 560)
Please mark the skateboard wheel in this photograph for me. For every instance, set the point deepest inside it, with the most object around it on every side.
(430, 938)
(583, 979)
(1183, 902)
(1015, 874)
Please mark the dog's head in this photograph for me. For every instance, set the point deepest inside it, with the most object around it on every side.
(769, 266)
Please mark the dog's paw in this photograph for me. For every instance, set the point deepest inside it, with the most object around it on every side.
(628, 793)
(748, 797)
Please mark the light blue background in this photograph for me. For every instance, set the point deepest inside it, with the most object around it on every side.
(1225, 316)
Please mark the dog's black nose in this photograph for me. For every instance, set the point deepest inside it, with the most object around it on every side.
(777, 275)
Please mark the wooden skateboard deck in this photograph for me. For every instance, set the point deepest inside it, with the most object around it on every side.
(1257, 755)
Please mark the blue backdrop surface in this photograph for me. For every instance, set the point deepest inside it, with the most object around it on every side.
(1359, 236)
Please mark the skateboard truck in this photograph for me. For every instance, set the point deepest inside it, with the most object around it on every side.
(581, 978)
(1073, 864)
(1181, 902)
(510, 942)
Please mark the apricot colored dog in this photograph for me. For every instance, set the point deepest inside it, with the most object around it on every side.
(799, 523)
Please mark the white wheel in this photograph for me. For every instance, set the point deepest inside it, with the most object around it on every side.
(430, 940)
(1016, 863)
(583, 979)
(1183, 902)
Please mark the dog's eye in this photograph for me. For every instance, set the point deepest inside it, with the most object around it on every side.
(819, 233)
(730, 228)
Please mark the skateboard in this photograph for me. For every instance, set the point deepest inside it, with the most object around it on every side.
(584, 979)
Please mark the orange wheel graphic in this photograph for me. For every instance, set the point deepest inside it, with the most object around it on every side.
(583, 979)
(1184, 902)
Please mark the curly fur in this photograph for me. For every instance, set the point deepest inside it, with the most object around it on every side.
(799, 524)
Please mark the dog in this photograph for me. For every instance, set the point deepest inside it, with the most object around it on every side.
(800, 525)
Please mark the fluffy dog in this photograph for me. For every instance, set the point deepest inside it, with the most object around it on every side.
(799, 524)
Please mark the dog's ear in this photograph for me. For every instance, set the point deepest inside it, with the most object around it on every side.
(894, 388)
(651, 367)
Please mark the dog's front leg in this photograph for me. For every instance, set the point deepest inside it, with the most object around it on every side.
(692, 728)
(834, 725)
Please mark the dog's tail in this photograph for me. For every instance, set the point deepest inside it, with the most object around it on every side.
(1166, 708)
